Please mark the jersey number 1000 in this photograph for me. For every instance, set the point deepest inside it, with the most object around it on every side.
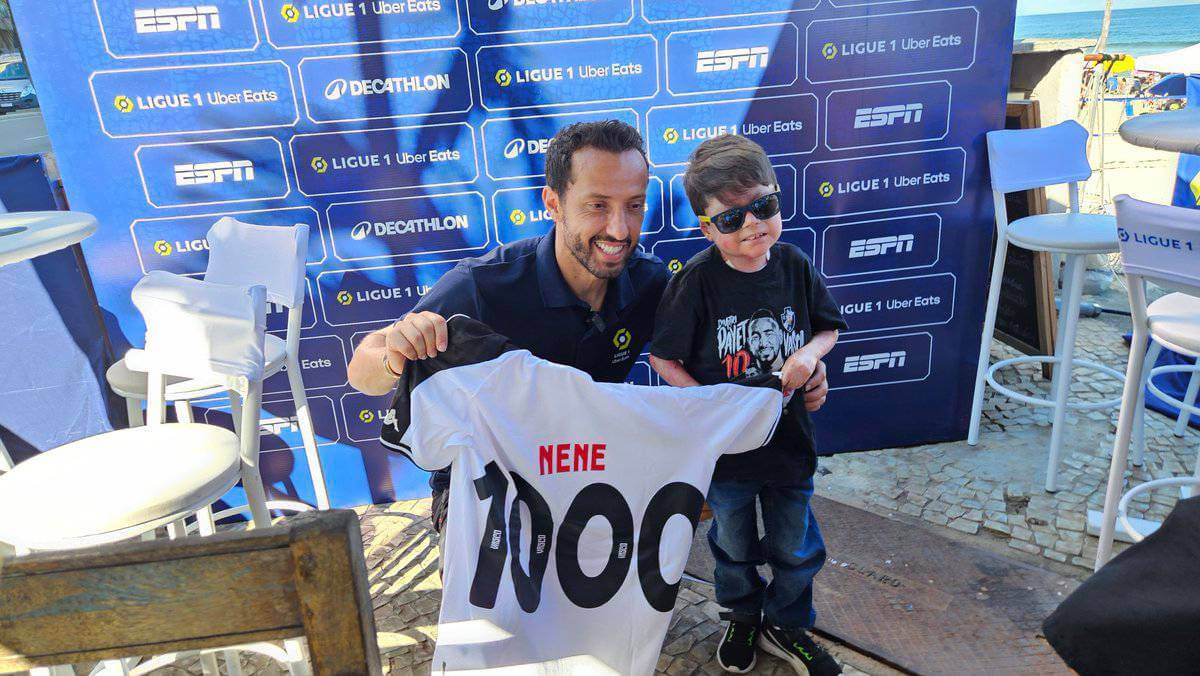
(597, 499)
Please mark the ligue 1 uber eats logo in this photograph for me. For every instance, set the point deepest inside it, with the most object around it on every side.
(289, 13)
(123, 103)
(503, 77)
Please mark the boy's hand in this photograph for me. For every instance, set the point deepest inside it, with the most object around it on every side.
(816, 389)
(797, 370)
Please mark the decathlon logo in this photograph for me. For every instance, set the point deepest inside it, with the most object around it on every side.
(360, 231)
(622, 339)
(235, 171)
(825, 189)
(335, 89)
(878, 246)
(829, 51)
(515, 147)
(344, 298)
(874, 362)
(671, 135)
(720, 60)
(319, 164)
(503, 77)
(123, 103)
(163, 248)
(289, 13)
(176, 19)
(886, 116)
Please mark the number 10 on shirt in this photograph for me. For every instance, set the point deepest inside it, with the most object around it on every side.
(501, 542)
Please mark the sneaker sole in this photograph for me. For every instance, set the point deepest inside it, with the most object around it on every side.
(735, 670)
(769, 647)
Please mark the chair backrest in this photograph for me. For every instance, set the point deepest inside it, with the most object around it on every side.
(243, 254)
(306, 577)
(199, 329)
(1160, 243)
(1023, 159)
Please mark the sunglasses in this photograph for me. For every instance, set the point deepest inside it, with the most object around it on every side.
(732, 220)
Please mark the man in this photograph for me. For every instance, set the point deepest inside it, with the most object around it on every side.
(581, 295)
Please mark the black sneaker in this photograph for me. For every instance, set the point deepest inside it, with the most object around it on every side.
(799, 650)
(736, 652)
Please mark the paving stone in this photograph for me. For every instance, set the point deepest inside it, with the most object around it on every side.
(969, 527)
(1025, 546)
(997, 527)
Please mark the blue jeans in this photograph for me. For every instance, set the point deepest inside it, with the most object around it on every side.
(791, 546)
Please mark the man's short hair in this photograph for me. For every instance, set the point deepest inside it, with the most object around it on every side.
(612, 136)
(725, 167)
(762, 313)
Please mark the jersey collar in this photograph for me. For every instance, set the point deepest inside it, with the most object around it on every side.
(554, 289)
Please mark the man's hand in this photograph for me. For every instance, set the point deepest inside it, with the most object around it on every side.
(419, 335)
(798, 369)
(816, 389)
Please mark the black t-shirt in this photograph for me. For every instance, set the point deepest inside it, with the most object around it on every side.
(732, 326)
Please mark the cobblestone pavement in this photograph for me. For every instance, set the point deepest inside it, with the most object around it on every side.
(995, 490)
(991, 494)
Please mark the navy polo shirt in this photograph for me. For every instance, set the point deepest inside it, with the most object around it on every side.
(519, 291)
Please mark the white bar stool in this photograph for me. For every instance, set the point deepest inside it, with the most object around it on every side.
(1159, 244)
(243, 254)
(1022, 160)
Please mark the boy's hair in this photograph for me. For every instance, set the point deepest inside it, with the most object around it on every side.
(612, 136)
(724, 167)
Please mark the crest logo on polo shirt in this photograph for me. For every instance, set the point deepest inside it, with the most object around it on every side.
(622, 339)
(675, 265)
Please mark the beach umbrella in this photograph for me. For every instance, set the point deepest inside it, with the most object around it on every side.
(1186, 61)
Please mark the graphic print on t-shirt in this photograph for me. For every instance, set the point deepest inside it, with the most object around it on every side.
(757, 345)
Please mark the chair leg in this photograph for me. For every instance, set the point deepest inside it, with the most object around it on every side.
(235, 411)
(183, 411)
(1185, 416)
(133, 409)
(248, 438)
(1120, 454)
(304, 420)
(1139, 423)
(1062, 375)
(985, 340)
(205, 526)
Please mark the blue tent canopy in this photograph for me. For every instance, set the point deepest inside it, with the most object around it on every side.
(1171, 85)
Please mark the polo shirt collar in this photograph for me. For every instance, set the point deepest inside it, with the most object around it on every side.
(554, 289)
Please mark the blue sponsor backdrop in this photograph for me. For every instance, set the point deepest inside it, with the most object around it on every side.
(411, 133)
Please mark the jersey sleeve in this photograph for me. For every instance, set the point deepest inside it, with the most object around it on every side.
(824, 312)
(429, 422)
(748, 422)
(454, 293)
(678, 319)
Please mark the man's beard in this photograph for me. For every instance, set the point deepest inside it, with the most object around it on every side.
(583, 252)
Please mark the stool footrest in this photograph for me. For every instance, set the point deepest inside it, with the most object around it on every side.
(1039, 401)
(1173, 368)
(1123, 505)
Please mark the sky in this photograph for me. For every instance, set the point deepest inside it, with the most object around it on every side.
(1064, 6)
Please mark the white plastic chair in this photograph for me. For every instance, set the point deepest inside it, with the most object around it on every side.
(124, 484)
(243, 254)
(1159, 244)
(1022, 160)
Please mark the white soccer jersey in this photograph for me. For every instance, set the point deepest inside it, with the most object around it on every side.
(573, 503)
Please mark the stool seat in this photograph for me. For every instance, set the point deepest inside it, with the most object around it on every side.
(1175, 319)
(100, 488)
(1071, 233)
(131, 384)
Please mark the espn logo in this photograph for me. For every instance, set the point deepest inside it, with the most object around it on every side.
(176, 19)
(720, 60)
(886, 116)
(214, 172)
(277, 426)
(878, 246)
(874, 362)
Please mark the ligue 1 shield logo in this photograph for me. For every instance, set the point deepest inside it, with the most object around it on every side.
(829, 51)
(503, 77)
(289, 13)
(162, 247)
(123, 103)
(319, 164)
(670, 135)
(825, 189)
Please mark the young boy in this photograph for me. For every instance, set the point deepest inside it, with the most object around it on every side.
(744, 309)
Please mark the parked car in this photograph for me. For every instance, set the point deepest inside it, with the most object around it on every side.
(16, 89)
